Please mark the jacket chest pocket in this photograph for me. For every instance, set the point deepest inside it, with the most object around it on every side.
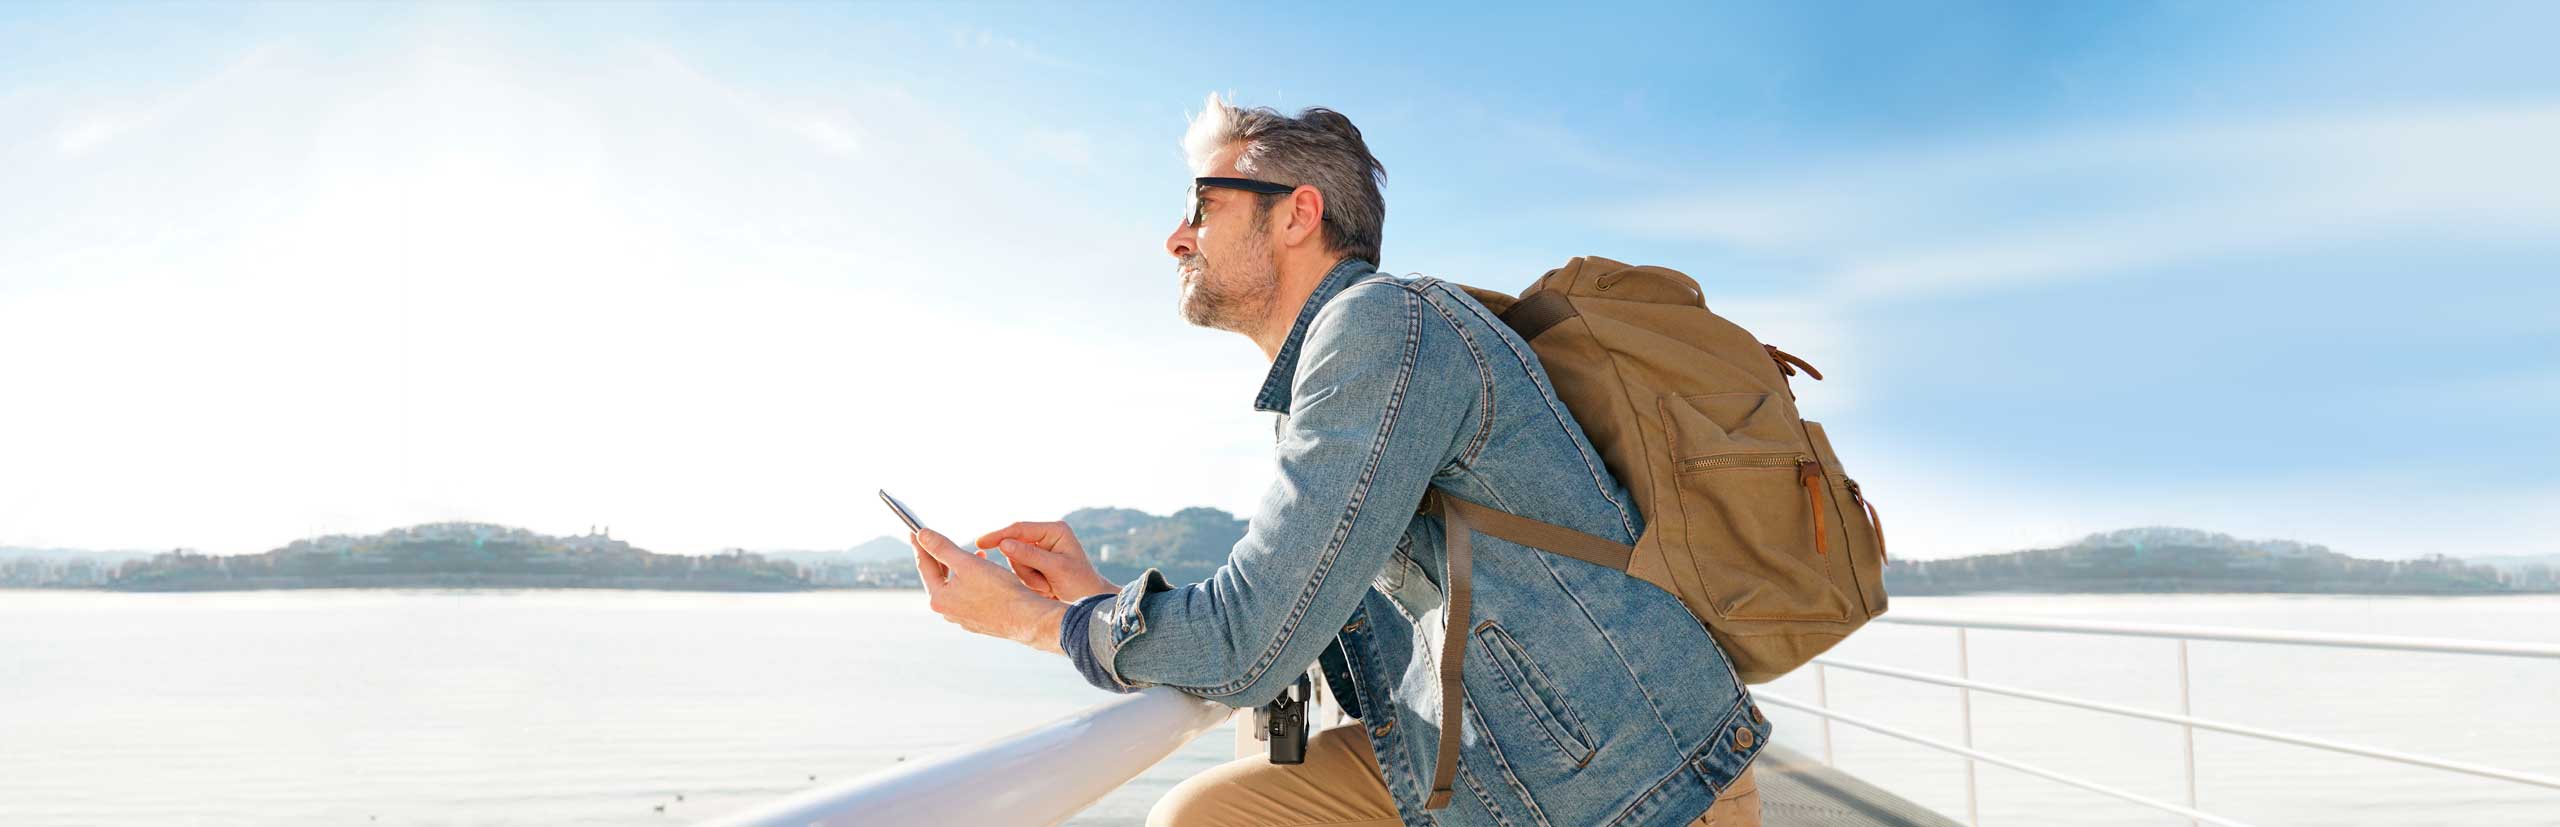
(1538, 696)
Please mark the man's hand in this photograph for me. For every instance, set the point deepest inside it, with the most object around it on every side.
(970, 590)
(1049, 559)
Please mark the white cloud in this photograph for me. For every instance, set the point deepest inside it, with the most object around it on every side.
(103, 122)
(2017, 213)
(824, 126)
(830, 133)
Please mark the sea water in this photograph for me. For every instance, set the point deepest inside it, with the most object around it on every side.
(569, 707)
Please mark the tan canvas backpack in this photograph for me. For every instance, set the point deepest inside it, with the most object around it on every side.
(1749, 517)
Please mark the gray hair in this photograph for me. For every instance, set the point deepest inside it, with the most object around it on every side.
(1318, 148)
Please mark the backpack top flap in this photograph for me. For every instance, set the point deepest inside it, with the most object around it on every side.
(1599, 277)
(1635, 333)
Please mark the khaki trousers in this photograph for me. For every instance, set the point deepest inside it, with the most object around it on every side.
(1340, 786)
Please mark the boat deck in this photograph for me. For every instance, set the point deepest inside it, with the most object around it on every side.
(1798, 791)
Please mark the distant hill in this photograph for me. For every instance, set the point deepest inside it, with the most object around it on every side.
(2172, 559)
(874, 550)
(26, 567)
(69, 554)
(457, 555)
(1188, 545)
(2519, 563)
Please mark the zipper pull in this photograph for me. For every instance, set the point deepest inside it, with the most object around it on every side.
(1810, 472)
(1873, 522)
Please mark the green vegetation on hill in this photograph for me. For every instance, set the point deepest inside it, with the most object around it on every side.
(1187, 545)
(458, 554)
(2167, 559)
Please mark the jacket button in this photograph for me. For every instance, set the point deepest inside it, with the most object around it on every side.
(1756, 717)
(1741, 739)
(1381, 730)
(1354, 625)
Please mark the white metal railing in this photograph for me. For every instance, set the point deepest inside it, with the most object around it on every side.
(2184, 718)
(1046, 773)
(1972, 754)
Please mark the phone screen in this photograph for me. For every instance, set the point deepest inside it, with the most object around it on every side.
(904, 516)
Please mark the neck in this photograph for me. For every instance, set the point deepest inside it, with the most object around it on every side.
(1298, 279)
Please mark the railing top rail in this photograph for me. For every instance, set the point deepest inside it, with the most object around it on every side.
(1978, 755)
(2409, 758)
(1049, 772)
(2456, 646)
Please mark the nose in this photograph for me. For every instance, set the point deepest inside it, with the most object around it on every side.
(1183, 242)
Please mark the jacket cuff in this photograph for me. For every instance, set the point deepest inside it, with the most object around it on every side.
(1095, 628)
(1074, 630)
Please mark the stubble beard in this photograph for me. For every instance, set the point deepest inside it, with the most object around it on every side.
(1232, 298)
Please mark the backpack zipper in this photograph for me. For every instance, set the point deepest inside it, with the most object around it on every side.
(1744, 461)
(1808, 472)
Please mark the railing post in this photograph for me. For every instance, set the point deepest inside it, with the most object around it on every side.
(1964, 669)
(1822, 696)
(2186, 709)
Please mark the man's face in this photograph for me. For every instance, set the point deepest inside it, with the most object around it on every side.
(1229, 273)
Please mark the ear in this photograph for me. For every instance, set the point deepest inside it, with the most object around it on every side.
(1305, 218)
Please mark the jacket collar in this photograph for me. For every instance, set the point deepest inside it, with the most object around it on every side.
(1284, 367)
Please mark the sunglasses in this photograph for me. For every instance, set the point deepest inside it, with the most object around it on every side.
(1192, 217)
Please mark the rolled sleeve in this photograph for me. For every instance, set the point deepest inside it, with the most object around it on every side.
(1378, 408)
(1096, 626)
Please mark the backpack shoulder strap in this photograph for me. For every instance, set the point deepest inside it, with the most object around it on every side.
(1543, 536)
(1462, 520)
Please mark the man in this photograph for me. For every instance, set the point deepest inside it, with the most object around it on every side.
(1591, 697)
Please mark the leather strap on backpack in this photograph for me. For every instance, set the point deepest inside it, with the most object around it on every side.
(1453, 648)
(1462, 519)
(1533, 315)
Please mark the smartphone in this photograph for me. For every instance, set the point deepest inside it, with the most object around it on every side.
(904, 516)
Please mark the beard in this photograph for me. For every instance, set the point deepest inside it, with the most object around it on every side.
(1235, 296)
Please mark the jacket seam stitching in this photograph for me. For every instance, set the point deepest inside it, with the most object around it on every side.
(1501, 762)
(1351, 514)
(1651, 703)
(1649, 792)
(1484, 372)
(1574, 729)
(1484, 797)
(1547, 396)
(1692, 762)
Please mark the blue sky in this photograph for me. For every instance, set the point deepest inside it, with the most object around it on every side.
(710, 274)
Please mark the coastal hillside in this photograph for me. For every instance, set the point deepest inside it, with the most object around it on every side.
(457, 555)
(1188, 545)
(2171, 559)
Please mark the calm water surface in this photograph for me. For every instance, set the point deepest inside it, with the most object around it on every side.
(595, 708)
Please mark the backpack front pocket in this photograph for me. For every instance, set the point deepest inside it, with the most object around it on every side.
(1749, 512)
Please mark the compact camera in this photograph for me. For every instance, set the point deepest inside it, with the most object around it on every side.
(1283, 722)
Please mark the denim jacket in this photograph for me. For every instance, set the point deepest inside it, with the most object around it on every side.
(1592, 698)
